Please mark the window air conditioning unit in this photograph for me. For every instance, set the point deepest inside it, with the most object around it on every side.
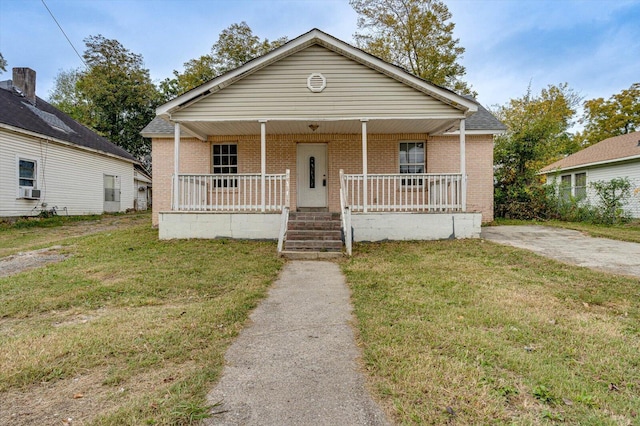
(30, 193)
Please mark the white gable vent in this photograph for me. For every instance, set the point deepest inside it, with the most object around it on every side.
(316, 82)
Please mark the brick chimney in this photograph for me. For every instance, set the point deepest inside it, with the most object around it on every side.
(24, 79)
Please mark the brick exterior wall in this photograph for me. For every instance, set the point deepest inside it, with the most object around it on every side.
(344, 152)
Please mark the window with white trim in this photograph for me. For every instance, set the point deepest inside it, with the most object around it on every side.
(225, 162)
(27, 173)
(573, 185)
(411, 161)
(565, 187)
(580, 186)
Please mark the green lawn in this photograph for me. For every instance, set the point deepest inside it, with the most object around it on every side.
(145, 323)
(471, 332)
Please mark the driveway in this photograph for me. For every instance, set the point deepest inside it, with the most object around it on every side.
(570, 246)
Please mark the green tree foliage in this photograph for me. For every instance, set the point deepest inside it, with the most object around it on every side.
(537, 134)
(66, 97)
(416, 35)
(618, 115)
(612, 196)
(114, 96)
(235, 46)
(3, 63)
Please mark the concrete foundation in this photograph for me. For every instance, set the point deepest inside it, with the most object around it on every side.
(415, 226)
(182, 225)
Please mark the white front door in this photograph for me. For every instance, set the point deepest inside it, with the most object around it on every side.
(312, 175)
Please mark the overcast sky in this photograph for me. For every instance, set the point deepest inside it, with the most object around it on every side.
(594, 45)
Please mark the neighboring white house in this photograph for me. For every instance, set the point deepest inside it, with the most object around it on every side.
(617, 157)
(48, 160)
(141, 188)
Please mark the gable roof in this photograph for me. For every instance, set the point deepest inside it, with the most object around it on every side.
(17, 113)
(612, 150)
(316, 36)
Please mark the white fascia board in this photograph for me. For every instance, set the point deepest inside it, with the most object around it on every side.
(587, 165)
(477, 132)
(62, 142)
(299, 43)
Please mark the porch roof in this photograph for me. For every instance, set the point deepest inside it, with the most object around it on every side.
(482, 122)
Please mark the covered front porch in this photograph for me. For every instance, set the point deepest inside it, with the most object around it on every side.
(372, 205)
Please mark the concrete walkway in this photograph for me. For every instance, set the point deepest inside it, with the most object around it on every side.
(296, 364)
(570, 246)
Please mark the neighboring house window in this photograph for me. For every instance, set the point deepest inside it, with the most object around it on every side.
(27, 173)
(111, 188)
(411, 161)
(565, 187)
(573, 185)
(225, 162)
(580, 186)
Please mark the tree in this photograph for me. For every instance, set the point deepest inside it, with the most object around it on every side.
(537, 134)
(65, 95)
(618, 115)
(3, 63)
(235, 46)
(114, 96)
(415, 35)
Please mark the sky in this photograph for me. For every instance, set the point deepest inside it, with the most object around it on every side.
(593, 45)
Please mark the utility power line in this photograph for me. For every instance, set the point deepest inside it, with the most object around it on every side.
(65, 34)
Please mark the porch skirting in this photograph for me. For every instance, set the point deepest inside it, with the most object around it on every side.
(182, 225)
(415, 226)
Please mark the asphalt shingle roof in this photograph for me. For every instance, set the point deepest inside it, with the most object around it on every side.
(46, 120)
(609, 150)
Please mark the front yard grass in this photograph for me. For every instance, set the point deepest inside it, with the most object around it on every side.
(128, 330)
(471, 332)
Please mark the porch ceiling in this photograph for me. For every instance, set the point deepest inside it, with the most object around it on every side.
(431, 126)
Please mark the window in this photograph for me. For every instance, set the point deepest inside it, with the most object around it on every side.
(574, 185)
(565, 187)
(225, 162)
(111, 188)
(411, 161)
(580, 186)
(27, 173)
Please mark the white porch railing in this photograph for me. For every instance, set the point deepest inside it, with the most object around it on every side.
(425, 192)
(232, 193)
(345, 215)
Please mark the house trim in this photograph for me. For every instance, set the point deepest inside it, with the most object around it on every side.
(594, 164)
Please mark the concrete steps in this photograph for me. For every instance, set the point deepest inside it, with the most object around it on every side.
(313, 235)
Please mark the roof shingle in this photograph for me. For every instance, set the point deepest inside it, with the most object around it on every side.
(610, 150)
(46, 120)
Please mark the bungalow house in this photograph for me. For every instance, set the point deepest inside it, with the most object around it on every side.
(616, 157)
(318, 130)
(49, 160)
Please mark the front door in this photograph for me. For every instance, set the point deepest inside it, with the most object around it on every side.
(312, 175)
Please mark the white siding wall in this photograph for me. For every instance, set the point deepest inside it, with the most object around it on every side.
(630, 170)
(606, 173)
(68, 177)
(353, 90)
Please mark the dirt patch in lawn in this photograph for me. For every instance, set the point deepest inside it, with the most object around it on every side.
(24, 261)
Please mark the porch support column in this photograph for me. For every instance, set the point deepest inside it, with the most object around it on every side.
(365, 198)
(176, 167)
(263, 163)
(463, 165)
